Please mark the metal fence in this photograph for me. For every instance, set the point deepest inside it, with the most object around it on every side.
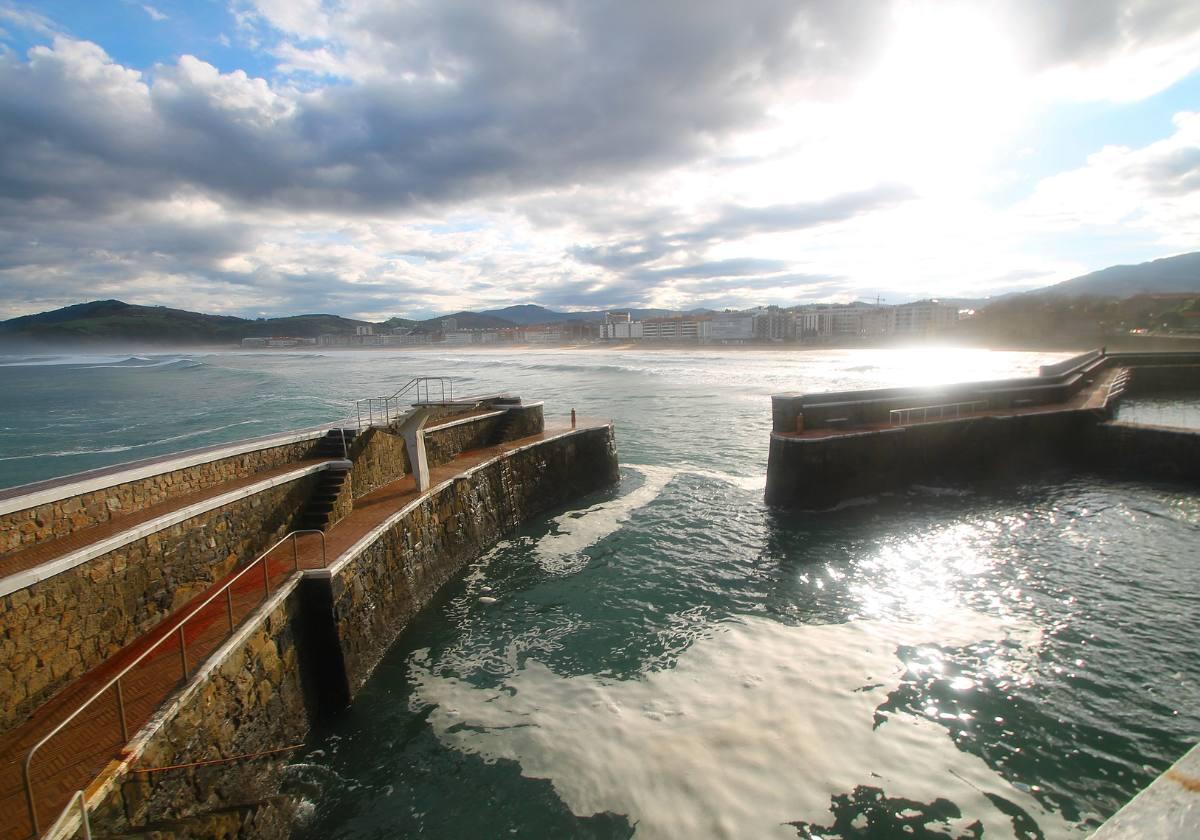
(177, 633)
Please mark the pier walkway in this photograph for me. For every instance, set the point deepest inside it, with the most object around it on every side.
(1092, 396)
(80, 751)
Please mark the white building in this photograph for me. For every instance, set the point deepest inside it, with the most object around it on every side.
(621, 330)
(731, 328)
(813, 323)
(924, 317)
(543, 335)
(675, 329)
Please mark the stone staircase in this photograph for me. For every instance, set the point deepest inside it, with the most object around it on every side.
(317, 513)
(330, 446)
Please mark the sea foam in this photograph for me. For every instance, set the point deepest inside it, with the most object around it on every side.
(757, 726)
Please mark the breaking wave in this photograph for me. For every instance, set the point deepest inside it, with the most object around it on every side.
(109, 449)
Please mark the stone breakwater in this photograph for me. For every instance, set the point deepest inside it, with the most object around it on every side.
(57, 629)
(66, 512)
(311, 645)
(829, 448)
(376, 589)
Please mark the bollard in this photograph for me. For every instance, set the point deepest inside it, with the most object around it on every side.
(799, 422)
(572, 418)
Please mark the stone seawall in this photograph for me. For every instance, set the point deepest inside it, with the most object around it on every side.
(444, 443)
(1158, 379)
(818, 473)
(314, 643)
(22, 528)
(380, 457)
(375, 593)
(59, 628)
(1131, 450)
(250, 697)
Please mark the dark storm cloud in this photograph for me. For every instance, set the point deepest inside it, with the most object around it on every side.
(552, 95)
(530, 106)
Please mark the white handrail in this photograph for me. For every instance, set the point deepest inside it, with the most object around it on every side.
(904, 416)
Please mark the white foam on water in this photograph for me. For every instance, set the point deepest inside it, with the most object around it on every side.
(757, 726)
(561, 551)
(745, 482)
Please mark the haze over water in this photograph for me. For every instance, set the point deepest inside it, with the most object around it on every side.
(672, 658)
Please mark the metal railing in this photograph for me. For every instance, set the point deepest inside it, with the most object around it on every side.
(383, 410)
(176, 631)
(919, 414)
(85, 822)
(1117, 388)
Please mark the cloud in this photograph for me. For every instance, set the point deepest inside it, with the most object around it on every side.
(1156, 187)
(469, 154)
(154, 13)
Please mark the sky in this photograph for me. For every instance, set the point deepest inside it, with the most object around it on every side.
(377, 158)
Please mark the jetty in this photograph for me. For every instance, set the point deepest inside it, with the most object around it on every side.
(170, 628)
(828, 448)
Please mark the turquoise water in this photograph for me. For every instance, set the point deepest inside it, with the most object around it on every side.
(671, 658)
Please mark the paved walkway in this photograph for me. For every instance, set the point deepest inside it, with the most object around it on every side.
(73, 757)
(1089, 397)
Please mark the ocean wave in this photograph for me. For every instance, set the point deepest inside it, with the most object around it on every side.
(139, 362)
(66, 453)
(56, 361)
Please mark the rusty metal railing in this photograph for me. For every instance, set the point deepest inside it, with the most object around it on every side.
(177, 631)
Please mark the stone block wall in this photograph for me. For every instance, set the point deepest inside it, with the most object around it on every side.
(522, 421)
(445, 444)
(1130, 450)
(817, 473)
(252, 701)
(380, 457)
(65, 625)
(1158, 379)
(374, 595)
(24, 528)
(261, 693)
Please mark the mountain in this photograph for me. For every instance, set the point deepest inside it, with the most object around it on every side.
(468, 321)
(115, 320)
(1170, 275)
(530, 314)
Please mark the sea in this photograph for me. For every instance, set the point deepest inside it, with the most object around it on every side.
(672, 658)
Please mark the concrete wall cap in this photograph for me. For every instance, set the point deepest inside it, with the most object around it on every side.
(55, 490)
(57, 566)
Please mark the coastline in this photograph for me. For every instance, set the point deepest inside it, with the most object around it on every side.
(1071, 345)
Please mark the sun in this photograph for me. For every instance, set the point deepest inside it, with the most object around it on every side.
(948, 88)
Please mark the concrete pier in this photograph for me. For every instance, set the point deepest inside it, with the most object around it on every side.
(163, 573)
(827, 448)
